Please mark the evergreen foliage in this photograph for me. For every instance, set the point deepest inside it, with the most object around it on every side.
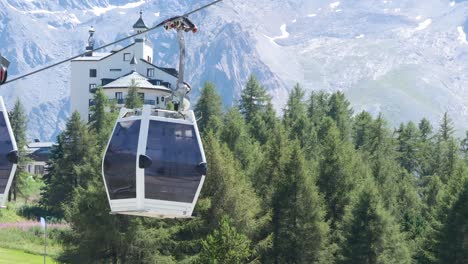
(371, 235)
(209, 106)
(18, 121)
(225, 245)
(316, 185)
(133, 99)
(301, 234)
(70, 162)
(254, 99)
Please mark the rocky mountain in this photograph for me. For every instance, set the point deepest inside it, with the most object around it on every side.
(404, 58)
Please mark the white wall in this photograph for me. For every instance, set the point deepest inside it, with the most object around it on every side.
(80, 79)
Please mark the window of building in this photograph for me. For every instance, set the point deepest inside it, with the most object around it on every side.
(91, 102)
(115, 70)
(150, 72)
(118, 95)
(92, 73)
(162, 98)
(38, 169)
(157, 99)
(126, 57)
(149, 59)
(92, 87)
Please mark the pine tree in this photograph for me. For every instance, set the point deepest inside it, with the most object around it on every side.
(371, 234)
(341, 112)
(408, 146)
(464, 146)
(254, 99)
(425, 129)
(18, 125)
(446, 129)
(295, 119)
(133, 99)
(229, 190)
(452, 240)
(101, 120)
(318, 106)
(339, 171)
(209, 106)
(362, 129)
(73, 157)
(225, 245)
(263, 123)
(300, 234)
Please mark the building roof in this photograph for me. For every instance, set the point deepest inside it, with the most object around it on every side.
(140, 81)
(140, 23)
(39, 151)
(170, 71)
(39, 145)
(97, 56)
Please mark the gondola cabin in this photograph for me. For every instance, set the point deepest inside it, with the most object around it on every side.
(154, 164)
(8, 154)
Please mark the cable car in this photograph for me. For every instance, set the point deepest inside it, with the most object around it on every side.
(8, 154)
(154, 164)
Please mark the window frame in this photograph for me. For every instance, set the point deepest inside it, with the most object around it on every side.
(125, 58)
(92, 73)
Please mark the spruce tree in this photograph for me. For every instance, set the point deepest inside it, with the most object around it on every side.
(75, 147)
(300, 233)
(318, 106)
(295, 116)
(362, 129)
(452, 240)
(229, 190)
(225, 245)
(446, 129)
(371, 234)
(133, 99)
(209, 106)
(254, 99)
(18, 121)
(340, 111)
(339, 171)
(101, 121)
(408, 137)
(425, 129)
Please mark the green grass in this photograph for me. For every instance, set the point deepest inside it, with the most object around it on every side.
(8, 256)
(9, 215)
(30, 240)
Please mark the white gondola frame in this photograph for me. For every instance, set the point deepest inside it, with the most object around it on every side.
(4, 195)
(141, 206)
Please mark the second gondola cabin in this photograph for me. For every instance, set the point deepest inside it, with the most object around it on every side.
(154, 164)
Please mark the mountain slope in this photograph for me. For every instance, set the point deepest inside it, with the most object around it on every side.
(404, 58)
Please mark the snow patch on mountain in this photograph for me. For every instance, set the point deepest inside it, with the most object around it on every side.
(334, 5)
(423, 25)
(461, 35)
(98, 11)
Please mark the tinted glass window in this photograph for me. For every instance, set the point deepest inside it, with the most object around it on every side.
(5, 147)
(175, 153)
(120, 160)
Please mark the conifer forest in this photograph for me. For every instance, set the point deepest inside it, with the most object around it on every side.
(315, 183)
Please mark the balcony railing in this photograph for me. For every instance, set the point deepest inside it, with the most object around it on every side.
(150, 102)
